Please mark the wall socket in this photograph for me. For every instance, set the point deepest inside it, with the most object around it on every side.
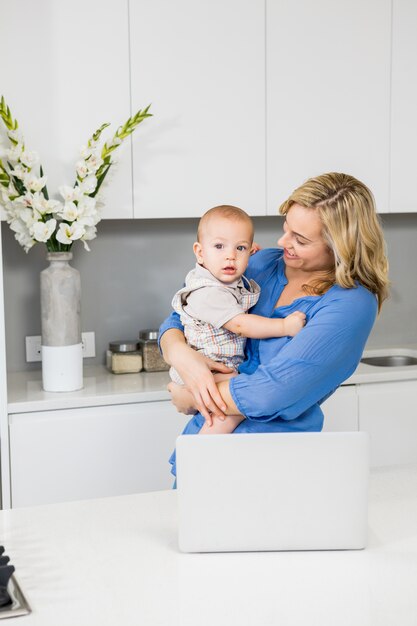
(33, 346)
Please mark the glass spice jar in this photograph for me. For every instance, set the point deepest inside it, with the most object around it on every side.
(124, 357)
(152, 359)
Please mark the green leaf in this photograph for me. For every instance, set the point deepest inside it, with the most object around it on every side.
(19, 186)
(6, 115)
(97, 133)
(44, 188)
(100, 180)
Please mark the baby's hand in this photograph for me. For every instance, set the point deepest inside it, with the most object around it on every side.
(294, 323)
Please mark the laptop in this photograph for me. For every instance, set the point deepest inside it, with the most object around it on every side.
(273, 491)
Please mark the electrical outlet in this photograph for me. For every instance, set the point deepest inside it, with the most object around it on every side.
(33, 346)
(89, 344)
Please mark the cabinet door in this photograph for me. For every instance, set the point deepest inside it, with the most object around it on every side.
(202, 65)
(65, 71)
(388, 412)
(57, 456)
(328, 77)
(341, 410)
(404, 106)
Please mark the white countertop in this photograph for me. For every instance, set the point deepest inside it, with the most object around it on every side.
(375, 374)
(101, 387)
(115, 562)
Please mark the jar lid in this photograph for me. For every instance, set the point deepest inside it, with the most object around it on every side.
(148, 334)
(123, 345)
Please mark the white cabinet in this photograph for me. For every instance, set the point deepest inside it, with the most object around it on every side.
(65, 71)
(56, 456)
(202, 65)
(388, 412)
(341, 410)
(404, 106)
(328, 85)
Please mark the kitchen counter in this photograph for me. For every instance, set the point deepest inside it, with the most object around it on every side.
(115, 561)
(101, 387)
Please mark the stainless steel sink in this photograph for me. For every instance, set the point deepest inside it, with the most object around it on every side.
(392, 360)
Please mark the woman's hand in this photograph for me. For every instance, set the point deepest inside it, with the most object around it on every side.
(182, 399)
(196, 372)
(199, 381)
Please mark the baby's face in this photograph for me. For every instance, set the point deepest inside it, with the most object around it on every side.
(224, 248)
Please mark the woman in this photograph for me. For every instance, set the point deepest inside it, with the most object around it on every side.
(332, 266)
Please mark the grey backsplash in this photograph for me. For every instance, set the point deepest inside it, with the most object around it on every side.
(135, 266)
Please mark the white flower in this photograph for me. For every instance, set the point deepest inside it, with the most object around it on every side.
(94, 162)
(15, 153)
(15, 135)
(29, 158)
(69, 212)
(7, 192)
(22, 234)
(70, 194)
(18, 226)
(87, 212)
(33, 183)
(116, 141)
(42, 231)
(86, 204)
(25, 241)
(16, 207)
(9, 210)
(88, 185)
(82, 169)
(27, 216)
(68, 233)
(85, 152)
(53, 206)
(19, 171)
(90, 233)
(37, 201)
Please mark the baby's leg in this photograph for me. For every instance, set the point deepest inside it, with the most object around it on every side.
(230, 423)
(222, 428)
(218, 377)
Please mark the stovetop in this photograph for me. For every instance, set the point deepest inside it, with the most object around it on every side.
(12, 601)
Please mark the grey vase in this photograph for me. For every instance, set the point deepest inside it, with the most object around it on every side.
(62, 359)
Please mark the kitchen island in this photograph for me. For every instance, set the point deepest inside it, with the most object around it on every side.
(115, 562)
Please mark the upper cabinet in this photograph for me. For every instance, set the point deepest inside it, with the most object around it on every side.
(202, 66)
(249, 98)
(404, 106)
(65, 71)
(328, 86)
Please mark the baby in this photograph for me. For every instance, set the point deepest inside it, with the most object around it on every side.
(216, 296)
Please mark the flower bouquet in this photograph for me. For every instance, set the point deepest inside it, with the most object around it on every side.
(31, 213)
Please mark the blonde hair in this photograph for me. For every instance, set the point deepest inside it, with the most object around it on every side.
(228, 212)
(352, 230)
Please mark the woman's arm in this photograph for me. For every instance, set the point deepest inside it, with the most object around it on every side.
(312, 364)
(184, 400)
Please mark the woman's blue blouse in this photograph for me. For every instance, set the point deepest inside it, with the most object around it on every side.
(284, 380)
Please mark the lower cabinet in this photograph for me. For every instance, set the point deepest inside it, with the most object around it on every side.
(388, 412)
(73, 454)
(341, 410)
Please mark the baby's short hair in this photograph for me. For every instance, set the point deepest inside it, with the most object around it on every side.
(227, 211)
